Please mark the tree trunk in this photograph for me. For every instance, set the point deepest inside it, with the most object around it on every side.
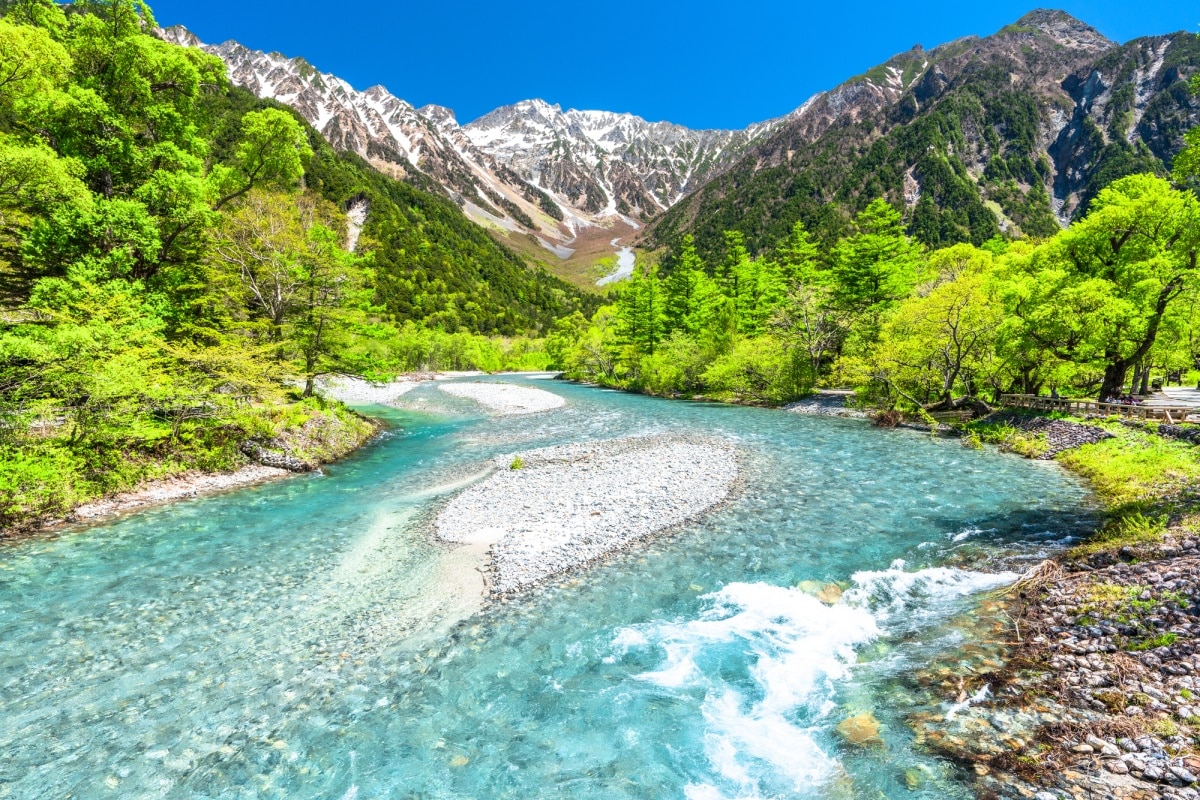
(1145, 388)
(1114, 379)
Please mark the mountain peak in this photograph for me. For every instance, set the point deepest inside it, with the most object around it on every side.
(1062, 28)
(178, 34)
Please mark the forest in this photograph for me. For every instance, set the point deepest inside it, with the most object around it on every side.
(1093, 310)
(178, 272)
(175, 268)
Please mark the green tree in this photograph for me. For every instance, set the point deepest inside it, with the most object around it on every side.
(1098, 293)
(272, 153)
(876, 266)
(330, 296)
(800, 259)
(691, 295)
(1187, 163)
(641, 312)
(936, 342)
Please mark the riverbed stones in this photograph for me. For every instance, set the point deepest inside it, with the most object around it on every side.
(357, 391)
(827, 404)
(861, 730)
(1060, 434)
(573, 504)
(1111, 649)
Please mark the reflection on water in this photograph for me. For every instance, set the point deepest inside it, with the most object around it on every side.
(298, 640)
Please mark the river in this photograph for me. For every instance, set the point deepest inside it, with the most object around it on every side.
(306, 639)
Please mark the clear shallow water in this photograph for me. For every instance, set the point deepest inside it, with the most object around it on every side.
(279, 642)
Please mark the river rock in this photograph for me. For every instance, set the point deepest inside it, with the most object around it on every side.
(860, 730)
(570, 505)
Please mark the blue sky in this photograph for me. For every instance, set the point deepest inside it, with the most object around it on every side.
(699, 63)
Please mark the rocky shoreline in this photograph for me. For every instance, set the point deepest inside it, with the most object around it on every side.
(183, 486)
(550, 511)
(1085, 678)
(826, 403)
(1097, 692)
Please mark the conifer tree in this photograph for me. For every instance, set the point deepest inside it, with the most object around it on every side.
(641, 312)
(799, 259)
(875, 267)
(690, 294)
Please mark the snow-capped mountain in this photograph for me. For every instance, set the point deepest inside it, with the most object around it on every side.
(529, 167)
(599, 160)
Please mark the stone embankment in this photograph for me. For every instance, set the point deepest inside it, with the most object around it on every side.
(1060, 435)
(1189, 434)
(547, 512)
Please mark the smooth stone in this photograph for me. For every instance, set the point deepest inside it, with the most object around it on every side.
(860, 730)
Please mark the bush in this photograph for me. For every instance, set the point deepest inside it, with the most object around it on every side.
(677, 367)
(35, 484)
(760, 370)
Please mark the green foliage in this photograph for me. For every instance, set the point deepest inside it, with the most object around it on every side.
(761, 370)
(173, 265)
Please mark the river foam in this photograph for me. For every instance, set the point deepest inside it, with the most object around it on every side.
(769, 662)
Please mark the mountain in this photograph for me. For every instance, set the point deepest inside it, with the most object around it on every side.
(432, 265)
(1014, 132)
(526, 170)
(602, 162)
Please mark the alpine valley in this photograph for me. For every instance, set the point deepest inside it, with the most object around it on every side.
(1010, 133)
(348, 450)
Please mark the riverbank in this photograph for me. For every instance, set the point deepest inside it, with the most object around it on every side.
(287, 439)
(1097, 692)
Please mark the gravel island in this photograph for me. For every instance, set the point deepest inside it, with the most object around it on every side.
(548, 511)
(505, 399)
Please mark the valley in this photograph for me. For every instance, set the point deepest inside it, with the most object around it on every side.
(352, 449)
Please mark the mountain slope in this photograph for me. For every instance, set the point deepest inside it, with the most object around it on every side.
(432, 264)
(529, 172)
(602, 162)
(1014, 132)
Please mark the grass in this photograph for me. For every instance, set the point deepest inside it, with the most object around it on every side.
(1008, 438)
(1138, 476)
(517, 463)
(1124, 531)
(1162, 640)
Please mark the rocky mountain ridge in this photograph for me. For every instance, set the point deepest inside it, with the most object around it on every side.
(529, 168)
(1014, 132)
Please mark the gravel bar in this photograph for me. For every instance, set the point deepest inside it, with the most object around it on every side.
(506, 399)
(356, 391)
(569, 505)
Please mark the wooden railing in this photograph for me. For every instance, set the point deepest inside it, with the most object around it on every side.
(1171, 414)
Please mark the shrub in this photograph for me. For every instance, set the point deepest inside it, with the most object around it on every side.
(760, 370)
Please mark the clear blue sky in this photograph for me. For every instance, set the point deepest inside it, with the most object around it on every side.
(699, 63)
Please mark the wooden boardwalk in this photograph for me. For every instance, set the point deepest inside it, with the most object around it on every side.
(1167, 413)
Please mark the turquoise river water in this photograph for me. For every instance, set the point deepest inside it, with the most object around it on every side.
(306, 639)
